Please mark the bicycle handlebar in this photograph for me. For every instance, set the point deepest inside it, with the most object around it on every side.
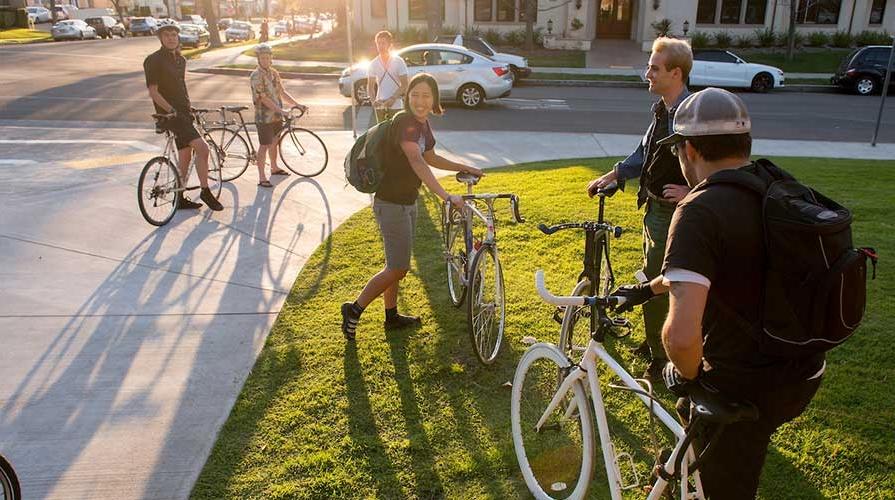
(514, 202)
(610, 301)
(590, 225)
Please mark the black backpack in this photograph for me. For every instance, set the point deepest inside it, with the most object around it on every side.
(815, 285)
(365, 163)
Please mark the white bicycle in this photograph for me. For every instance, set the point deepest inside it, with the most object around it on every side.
(553, 429)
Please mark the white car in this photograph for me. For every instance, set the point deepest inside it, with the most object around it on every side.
(239, 31)
(722, 68)
(194, 19)
(463, 75)
(39, 14)
(518, 64)
(65, 12)
(280, 28)
(72, 28)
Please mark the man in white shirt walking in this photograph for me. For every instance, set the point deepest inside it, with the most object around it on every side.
(386, 79)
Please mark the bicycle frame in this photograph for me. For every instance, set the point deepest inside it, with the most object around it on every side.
(471, 212)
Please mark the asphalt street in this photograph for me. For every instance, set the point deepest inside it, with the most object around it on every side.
(101, 82)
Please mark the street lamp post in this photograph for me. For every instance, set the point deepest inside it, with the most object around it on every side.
(351, 70)
(885, 90)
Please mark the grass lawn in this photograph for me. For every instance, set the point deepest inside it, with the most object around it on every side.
(326, 48)
(804, 60)
(197, 52)
(413, 415)
(296, 69)
(23, 35)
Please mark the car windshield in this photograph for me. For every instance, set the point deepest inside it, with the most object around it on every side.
(189, 30)
(138, 20)
(32, 9)
(68, 23)
(241, 26)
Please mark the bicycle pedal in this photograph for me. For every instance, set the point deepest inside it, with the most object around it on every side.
(621, 323)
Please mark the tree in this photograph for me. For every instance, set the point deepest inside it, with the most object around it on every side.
(118, 10)
(434, 8)
(791, 35)
(211, 17)
(531, 10)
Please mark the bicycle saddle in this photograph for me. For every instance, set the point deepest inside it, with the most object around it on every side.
(235, 109)
(713, 407)
(467, 178)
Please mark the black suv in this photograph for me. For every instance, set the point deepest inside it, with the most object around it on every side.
(864, 70)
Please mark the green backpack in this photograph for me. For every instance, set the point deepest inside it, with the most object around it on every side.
(365, 164)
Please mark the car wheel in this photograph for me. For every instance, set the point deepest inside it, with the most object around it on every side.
(866, 85)
(360, 93)
(762, 82)
(82, 35)
(471, 96)
(513, 74)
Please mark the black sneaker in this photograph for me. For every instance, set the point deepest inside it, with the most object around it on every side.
(349, 320)
(186, 203)
(400, 321)
(210, 200)
(653, 372)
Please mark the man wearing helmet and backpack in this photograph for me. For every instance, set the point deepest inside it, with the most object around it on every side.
(165, 71)
(268, 95)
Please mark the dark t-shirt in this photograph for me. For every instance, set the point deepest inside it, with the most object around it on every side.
(717, 233)
(400, 183)
(167, 70)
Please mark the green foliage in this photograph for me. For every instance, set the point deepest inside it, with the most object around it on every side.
(765, 37)
(411, 414)
(410, 35)
(699, 39)
(743, 41)
(866, 37)
(661, 28)
(842, 39)
(472, 31)
(576, 24)
(723, 39)
(492, 36)
(514, 38)
(818, 39)
(449, 30)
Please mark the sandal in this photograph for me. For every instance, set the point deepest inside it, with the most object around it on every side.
(279, 172)
(266, 184)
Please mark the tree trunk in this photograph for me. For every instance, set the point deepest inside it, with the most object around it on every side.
(53, 10)
(341, 14)
(117, 5)
(433, 17)
(791, 36)
(211, 17)
(531, 7)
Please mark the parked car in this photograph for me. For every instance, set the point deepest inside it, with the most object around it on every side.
(239, 31)
(518, 64)
(106, 26)
(281, 28)
(143, 26)
(73, 29)
(722, 68)
(224, 23)
(65, 12)
(194, 19)
(463, 75)
(39, 14)
(863, 71)
(193, 35)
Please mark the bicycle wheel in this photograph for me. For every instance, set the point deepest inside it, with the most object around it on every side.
(156, 191)
(9, 483)
(575, 332)
(215, 171)
(455, 255)
(556, 460)
(302, 152)
(485, 305)
(234, 152)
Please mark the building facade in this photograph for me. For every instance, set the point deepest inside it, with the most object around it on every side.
(578, 23)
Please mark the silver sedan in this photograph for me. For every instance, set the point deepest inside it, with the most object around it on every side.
(72, 28)
(462, 75)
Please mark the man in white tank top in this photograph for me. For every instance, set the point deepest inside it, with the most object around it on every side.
(386, 79)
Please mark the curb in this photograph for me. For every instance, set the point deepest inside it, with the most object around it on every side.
(825, 89)
(285, 74)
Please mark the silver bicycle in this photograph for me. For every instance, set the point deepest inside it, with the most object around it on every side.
(474, 273)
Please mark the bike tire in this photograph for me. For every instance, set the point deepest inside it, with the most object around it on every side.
(234, 152)
(575, 331)
(9, 482)
(481, 298)
(303, 152)
(456, 262)
(558, 460)
(161, 198)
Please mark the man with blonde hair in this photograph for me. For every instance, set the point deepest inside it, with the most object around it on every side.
(662, 184)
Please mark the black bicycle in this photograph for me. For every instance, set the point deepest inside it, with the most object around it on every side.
(9, 482)
(596, 279)
(301, 150)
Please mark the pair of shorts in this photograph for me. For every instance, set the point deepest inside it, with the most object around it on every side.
(397, 223)
(183, 129)
(268, 132)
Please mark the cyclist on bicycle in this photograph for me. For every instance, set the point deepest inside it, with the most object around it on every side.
(268, 95)
(714, 270)
(165, 71)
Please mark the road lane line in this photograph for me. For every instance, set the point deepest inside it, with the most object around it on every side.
(142, 146)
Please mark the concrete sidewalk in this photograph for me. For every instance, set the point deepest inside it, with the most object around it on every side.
(124, 345)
